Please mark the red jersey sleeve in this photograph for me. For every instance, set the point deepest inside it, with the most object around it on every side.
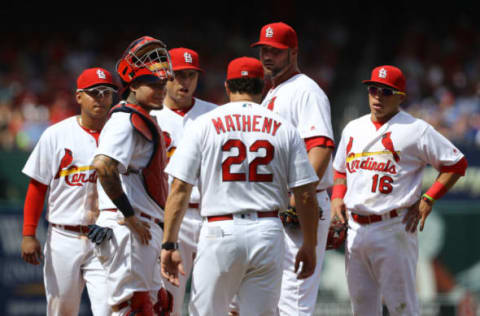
(460, 167)
(318, 141)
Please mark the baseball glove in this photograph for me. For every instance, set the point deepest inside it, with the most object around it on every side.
(98, 234)
(337, 233)
(289, 218)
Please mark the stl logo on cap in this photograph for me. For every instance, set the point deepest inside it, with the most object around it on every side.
(101, 74)
(244, 73)
(382, 73)
(188, 57)
(269, 32)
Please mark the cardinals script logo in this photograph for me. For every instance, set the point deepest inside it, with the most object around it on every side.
(74, 175)
(357, 161)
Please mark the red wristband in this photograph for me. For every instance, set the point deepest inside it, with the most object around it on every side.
(339, 191)
(437, 190)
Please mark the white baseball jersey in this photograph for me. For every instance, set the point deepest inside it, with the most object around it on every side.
(240, 171)
(61, 159)
(304, 104)
(384, 167)
(173, 125)
(118, 140)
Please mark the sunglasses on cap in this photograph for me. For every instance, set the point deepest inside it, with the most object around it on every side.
(98, 92)
(386, 92)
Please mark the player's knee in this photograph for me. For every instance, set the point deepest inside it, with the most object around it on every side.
(164, 305)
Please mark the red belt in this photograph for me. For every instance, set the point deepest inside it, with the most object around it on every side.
(142, 214)
(227, 217)
(369, 219)
(193, 205)
(153, 219)
(74, 228)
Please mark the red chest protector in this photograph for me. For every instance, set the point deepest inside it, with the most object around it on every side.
(155, 179)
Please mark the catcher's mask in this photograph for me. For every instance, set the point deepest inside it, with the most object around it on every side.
(145, 58)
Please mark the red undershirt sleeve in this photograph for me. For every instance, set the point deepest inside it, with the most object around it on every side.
(33, 207)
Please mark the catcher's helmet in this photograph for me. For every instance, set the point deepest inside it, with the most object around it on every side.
(145, 56)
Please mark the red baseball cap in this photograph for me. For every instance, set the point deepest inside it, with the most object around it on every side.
(245, 67)
(278, 35)
(388, 75)
(95, 77)
(184, 58)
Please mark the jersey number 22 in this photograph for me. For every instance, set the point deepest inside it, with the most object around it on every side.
(253, 175)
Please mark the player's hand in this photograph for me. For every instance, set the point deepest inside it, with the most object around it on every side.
(339, 211)
(417, 213)
(171, 263)
(31, 250)
(306, 256)
(141, 228)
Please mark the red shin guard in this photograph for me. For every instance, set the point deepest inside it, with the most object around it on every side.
(141, 305)
(164, 305)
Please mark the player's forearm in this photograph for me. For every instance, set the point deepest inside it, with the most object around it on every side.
(339, 188)
(176, 206)
(442, 185)
(308, 212)
(107, 172)
(319, 158)
(448, 179)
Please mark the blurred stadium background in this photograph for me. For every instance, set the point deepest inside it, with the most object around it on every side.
(438, 48)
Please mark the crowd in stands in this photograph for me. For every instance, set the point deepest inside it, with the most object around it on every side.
(38, 73)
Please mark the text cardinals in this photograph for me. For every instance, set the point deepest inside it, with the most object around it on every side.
(246, 123)
(371, 164)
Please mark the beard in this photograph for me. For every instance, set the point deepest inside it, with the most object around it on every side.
(280, 69)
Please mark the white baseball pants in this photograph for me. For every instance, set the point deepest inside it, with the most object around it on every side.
(380, 261)
(242, 256)
(298, 297)
(70, 264)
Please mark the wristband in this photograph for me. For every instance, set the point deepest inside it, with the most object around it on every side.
(436, 191)
(170, 245)
(124, 206)
(428, 198)
(339, 191)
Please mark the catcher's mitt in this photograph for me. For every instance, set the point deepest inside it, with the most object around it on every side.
(337, 233)
(98, 234)
(289, 218)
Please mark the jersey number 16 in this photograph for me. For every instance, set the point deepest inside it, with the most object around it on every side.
(253, 175)
(384, 185)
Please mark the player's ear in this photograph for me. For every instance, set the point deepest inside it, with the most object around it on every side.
(78, 97)
(294, 52)
(227, 89)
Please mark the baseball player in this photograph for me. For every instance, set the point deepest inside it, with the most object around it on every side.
(180, 109)
(378, 174)
(299, 100)
(132, 189)
(59, 170)
(245, 159)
